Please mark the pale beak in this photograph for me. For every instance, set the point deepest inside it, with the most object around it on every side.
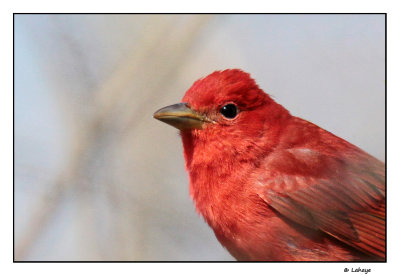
(181, 116)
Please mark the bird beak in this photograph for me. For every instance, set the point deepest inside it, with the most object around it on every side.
(180, 116)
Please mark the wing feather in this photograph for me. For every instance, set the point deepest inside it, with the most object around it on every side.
(336, 196)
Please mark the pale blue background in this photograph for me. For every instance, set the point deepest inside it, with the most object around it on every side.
(97, 178)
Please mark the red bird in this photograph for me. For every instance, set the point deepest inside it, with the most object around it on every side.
(272, 186)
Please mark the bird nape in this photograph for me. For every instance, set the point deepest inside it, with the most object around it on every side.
(272, 186)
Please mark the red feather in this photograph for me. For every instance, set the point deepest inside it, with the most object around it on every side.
(276, 187)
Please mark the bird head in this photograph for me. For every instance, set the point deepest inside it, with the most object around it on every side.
(227, 111)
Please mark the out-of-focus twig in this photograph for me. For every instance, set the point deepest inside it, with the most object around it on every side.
(114, 106)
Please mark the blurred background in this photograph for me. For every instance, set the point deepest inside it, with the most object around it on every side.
(97, 178)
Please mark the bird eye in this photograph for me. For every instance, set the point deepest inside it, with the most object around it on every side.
(229, 111)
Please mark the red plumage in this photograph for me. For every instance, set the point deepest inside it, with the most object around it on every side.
(275, 187)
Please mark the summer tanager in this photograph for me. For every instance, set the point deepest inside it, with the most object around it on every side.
(272, 186)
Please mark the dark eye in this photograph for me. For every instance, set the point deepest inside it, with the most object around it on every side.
(229, 111)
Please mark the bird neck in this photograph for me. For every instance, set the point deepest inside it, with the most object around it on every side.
(216, 172)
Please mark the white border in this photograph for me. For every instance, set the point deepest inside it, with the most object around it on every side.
(6, 164)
